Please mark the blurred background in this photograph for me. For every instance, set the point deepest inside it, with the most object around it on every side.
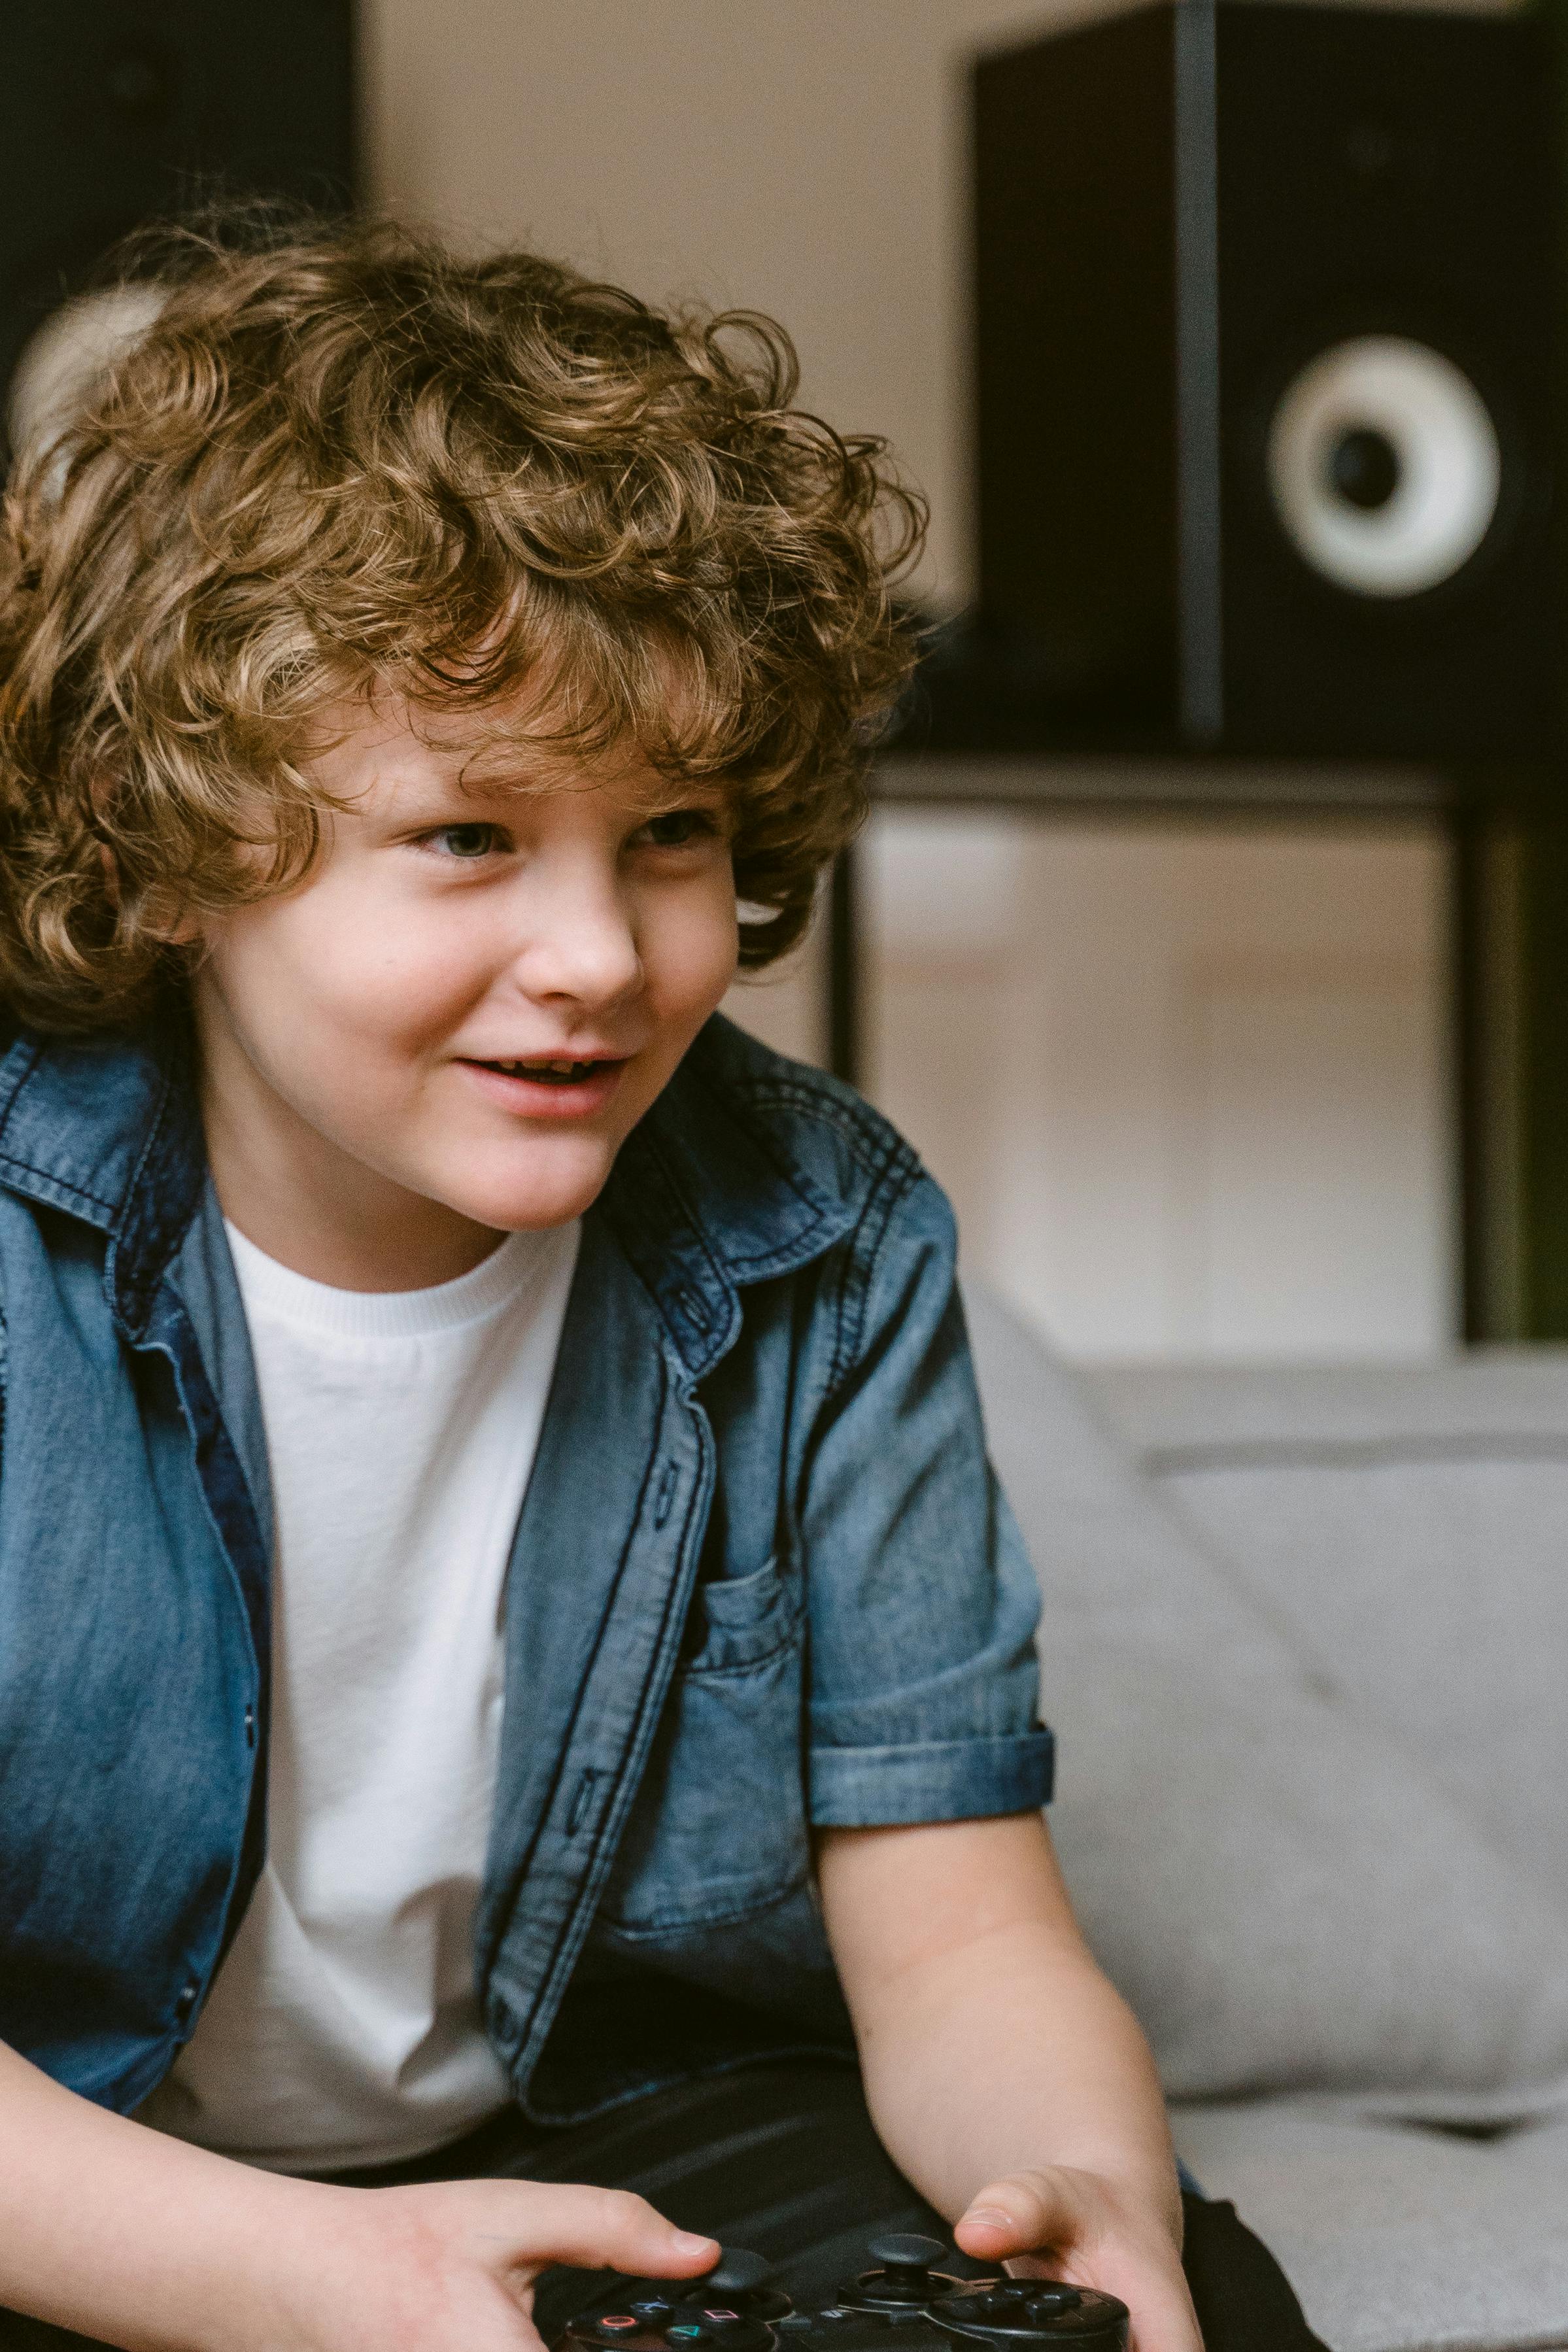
(1188, 1080)
(1224, 1063)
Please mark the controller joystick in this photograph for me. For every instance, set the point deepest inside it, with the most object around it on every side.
(897, 2253)
(741, 2280)
(904, 2280)
(735, 2273)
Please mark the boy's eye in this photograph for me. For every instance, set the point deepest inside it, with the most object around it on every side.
(465, 841)
(679, 828)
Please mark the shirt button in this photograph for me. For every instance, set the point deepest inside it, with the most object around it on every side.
(186, 2001)
(250, 1726)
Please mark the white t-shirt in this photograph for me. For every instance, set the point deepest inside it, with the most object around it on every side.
(343, 2028)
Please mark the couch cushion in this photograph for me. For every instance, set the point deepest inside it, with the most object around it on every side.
(1397, 2239)
(1410, 1528)
(1288, 1894)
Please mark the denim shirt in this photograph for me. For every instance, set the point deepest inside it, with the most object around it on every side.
(762, 1580)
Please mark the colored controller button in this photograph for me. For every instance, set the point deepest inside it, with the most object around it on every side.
(687, 2332)
(721, 2315)
(616, 2321)
(656, 2307)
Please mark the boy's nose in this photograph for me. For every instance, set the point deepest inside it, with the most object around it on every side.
(582, 948)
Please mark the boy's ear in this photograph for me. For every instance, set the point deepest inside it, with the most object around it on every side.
(179, 929)
(184, 931)
(168, 920)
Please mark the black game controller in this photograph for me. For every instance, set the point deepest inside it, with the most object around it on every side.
(903, 2305)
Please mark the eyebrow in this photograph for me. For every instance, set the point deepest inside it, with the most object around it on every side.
(455, 787)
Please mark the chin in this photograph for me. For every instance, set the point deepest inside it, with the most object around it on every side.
(514, 1200)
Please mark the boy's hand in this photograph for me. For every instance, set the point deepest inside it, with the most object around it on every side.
(989, 2038)
(449, 2266)
(1092, 2232)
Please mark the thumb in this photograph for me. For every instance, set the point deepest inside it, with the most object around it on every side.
(1020, 2214)
(607, 2230)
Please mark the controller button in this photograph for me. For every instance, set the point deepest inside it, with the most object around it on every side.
(616, 2322)
(656, 2307)
(1001, 2298)
(836, 2311)
(720, 2316)
(687, 2332)
(1051, 2301)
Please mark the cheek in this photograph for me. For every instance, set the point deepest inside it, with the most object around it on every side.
(690, 948)
(317, 967)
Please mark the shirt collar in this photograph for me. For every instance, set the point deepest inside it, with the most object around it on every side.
(715, 1188)
(711, 1192)
(109, 1130)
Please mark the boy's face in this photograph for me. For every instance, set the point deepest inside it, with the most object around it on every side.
(448, 1029)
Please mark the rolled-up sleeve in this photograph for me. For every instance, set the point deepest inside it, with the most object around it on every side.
(924, 1691)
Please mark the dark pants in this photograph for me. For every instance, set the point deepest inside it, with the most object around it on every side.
(782, 2160)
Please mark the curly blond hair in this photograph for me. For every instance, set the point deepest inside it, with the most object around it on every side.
(342, 460)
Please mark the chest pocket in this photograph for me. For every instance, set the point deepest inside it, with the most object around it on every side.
(738, 1622)
(719, 1829)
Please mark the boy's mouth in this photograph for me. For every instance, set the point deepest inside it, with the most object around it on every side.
(552, 1072)
(548, 1085)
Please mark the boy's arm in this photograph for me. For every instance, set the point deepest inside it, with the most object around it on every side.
(1005, 2076)
(137, 2240)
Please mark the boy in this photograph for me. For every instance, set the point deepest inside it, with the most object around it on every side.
(510, 1640)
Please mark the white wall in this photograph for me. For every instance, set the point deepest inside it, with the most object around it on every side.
(1187, 1088)
(803, 157)
(1194, 1093)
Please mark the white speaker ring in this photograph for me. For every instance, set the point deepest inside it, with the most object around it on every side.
(1427, 453)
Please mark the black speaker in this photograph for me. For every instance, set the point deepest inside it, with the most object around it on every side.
(112, 111)
(1266, 322)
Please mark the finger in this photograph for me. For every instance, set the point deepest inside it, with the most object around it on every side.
(599, 2229)
(1018, 2215)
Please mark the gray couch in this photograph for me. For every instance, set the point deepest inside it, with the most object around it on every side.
(1305, 1646)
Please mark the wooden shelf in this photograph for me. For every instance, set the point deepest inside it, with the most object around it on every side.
(1094, 785)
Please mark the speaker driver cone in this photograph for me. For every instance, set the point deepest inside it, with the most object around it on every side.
(1384, 465)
